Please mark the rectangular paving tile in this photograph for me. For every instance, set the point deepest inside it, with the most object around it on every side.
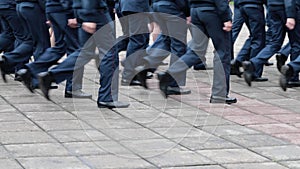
(3, 152)
(268, 110)
(45, 116)
(178, 158)
(38, 149)
(291, 164)
(52, 162)
(197, 167)
(115, 148)
(251, 119)
(5, 108)
(255, 165)
(278, 153)
(227, 111)
(63, 125)
(113, 162)
(18, 126)
(192, 112)
(9, 164)
(203, 143)
(130, 134)
(275, 128)
(25, 137)
(78, 135)
(166, 122)
(38, 107)
(181, 132)
(225, 156)
(255, 140)
(84, 148)
(11, 116)
(290, 137)
(286, 118)
(112, 123)
(223, 130)
(157, 146)
(210, 120)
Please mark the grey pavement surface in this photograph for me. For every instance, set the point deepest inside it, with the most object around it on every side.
(261, 131)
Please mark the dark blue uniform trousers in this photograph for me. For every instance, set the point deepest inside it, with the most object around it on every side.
(35, 19)
(16, 58)
(105, 42)
(138, 42)
(285, 50)
(279, 30)
(295, 64)
(66, 41)
(207, 25)
(172, 39)
(7, 38)
(255, 20)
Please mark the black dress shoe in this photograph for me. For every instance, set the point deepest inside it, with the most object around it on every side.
(200, 66)
(17, 78)
(133, 82)
(235, 68)
(269, 64)
(281, 59)
(293, 84)
(45, 80)
(25, 75)
(2, 69)
(260, 79)
(286, 74)
(177, 91)
(111, 105)
(248, 72)
(219, 99)
(77, 94)
(141, 75)
(164, 79)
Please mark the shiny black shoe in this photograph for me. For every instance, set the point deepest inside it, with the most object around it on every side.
(133, 82)
(286, 74)
(177, 91)
(25, 75)
(269, 64)
(260, 79)
(200, 66)
(219, 99)
(45, 80)
(164, 79)
(2, 70)
(292, 84)
(141, 75)
(111, 105)
(281, 59)
(77, 94)
(235, 68)
(248, 72)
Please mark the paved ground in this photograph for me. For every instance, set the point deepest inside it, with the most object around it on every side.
(261, 131)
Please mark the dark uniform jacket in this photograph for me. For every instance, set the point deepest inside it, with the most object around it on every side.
(221, 6)
(7, 4)
(135, 6)
(88, 10)
(287, 5)
(182, 5)
(60, 6)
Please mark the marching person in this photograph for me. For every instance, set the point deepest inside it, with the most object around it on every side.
(212, 19)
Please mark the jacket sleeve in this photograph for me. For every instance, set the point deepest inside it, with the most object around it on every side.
(67, 5)
(223, 10)
(42, 4)
(290, 8)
